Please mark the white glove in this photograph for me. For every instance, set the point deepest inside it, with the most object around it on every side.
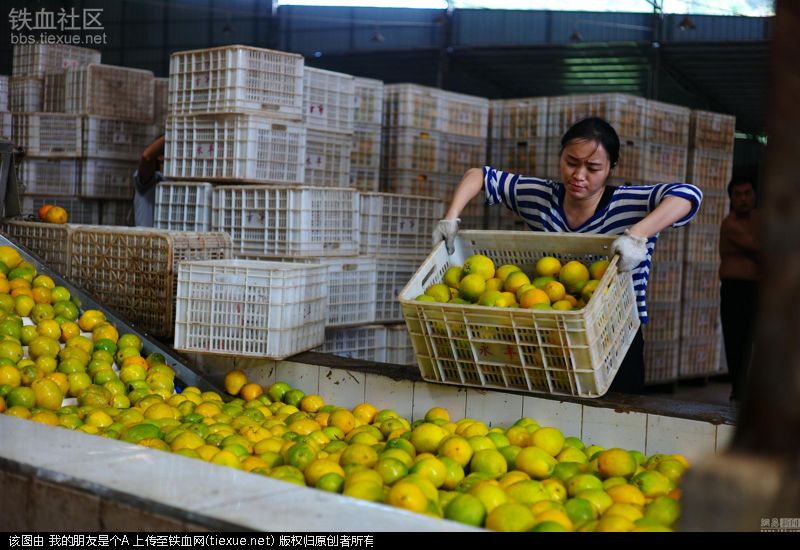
(632, 251)
(446, 231)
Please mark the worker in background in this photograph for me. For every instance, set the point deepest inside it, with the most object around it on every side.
(151, 166)
(583, 203)
(739, 251)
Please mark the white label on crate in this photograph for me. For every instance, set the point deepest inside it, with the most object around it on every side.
(407, 226)
(121, 138)
(204, 150)
(716, 125)
(465, 117)
(202, 80)
(357, 101)
(67, 63)
(254, 220)
(317, 109)
(315, 162)
(668, 126)
(463, 157)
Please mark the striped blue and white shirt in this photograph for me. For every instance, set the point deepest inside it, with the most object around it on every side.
(540, 203)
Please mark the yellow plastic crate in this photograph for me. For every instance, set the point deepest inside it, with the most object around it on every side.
(537, 351)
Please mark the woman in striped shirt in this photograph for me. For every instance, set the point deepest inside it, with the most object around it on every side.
(583, 203)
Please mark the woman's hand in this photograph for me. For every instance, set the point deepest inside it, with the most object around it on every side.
(632, 250)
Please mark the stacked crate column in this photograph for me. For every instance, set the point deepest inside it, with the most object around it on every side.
(365, 162)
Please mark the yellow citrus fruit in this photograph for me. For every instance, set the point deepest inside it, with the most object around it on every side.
(48, 394)
(535, 462)
(616, 463)
(342, 419)
(312, 404)
(251, 391)
(426, 437)
(510, 517)
(452, 276)
(548, 266)
(407, 496)
(515, 280)
(533, 297)
(467, 509)
(10, 375)
(365, 412)
(456, 448)
(471, 287)
(598, 268)
(573, 275)
(10, 257)
(234, 381)
(489, 494)
(439, 292)
(550, 440)
(479, 264)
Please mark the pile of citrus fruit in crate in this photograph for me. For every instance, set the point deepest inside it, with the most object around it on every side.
(66, 368)
(552, 286)
(52, 213)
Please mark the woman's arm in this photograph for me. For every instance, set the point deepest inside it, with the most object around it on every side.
(468, 188)
(670, 210)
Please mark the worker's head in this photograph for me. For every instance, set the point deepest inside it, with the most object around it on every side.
(589, 150)
(742, 192)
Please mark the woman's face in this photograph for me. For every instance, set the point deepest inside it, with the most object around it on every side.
(584, 168)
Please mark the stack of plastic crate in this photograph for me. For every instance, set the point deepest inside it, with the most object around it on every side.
(53, 141)
(626, 113)
(517, 144)
(710, 167)
(329, 106)
(5, 115)
(160, 100)
(365, 160)
(666, 136)
(431, 137)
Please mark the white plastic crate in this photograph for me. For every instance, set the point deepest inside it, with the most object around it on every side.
(107, 178)
(367, 101)
(665, 281)
(116, 212)
(183, 206)
(328, 158)
(352, 288)
(460, 153)
(670, 245)
(397, 226)
(464, 115)
(700, 282)
(411, 149)
(664, 163)
(48, 134)
(539, 351)
(666, 123)
(4, 92)
(710, 168)
(366, 180)
(54, 92)
(709, 130)
(112, 138)
(702, 243)
(664, 321)
(79, 211)
(399, 350)
(160, 101)
(520, 156)
(234, 148)
(393, 274)
(419, 183)
(626, 113)
(274, 222)
(700, 319)
(366, 151)
(236, 79)
(25, 94)
(40, 59)
(250, 308)
(518, 119)
(661, 361)
(699, 356)
(107, 90)
(49, 176)
(366, 343)
(329, 100)
(412, 106)
(5, 125)
(49, 241)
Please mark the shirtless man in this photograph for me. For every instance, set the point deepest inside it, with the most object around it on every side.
(739, 250)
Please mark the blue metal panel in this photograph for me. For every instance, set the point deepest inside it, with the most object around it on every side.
(334, 30)
(148, 34)
(183, 10)
(718, 28)
(499, 28)
(601, 27)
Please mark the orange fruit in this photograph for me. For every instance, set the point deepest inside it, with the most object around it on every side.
(251, 391)
(56, 214)
(43, 210)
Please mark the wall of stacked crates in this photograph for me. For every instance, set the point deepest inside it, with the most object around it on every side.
(297, 164)
(83, 126)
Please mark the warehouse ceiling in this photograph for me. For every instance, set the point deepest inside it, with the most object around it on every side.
(727, 77)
